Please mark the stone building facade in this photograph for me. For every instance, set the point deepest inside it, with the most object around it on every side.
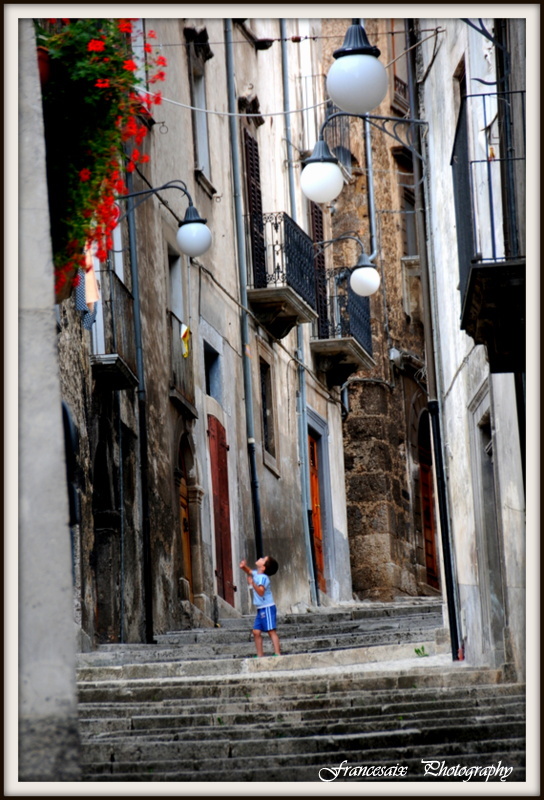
(395, 550)
(476, 189)
(207, 429)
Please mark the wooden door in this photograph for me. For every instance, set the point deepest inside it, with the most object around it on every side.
(427, 512)
(315, 498)
(187, 572)
(221, 512)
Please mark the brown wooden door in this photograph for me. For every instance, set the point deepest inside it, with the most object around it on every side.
(315, 498)
(427, 511)
(187, 571)
(221, 513)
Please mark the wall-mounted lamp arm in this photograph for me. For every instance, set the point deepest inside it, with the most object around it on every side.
(364, 277)
(381, 123)
(175, 184)
(327, 242)
(193, 236)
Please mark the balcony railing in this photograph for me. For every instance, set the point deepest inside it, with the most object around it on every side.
(284, 256)
(114, 347)
(342, 313)
(488, 166)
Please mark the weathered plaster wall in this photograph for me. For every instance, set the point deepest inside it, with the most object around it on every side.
(48, 735)
(464, 373)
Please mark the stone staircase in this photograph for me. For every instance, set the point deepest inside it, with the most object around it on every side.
(347, 690)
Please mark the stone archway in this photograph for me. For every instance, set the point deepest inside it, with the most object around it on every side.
(423, 503)
(190, 493)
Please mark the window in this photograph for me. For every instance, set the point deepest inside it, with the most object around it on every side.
(405, 182)
(400, 97)
(269, 439)
(198, 51)
(268, 407)
(212, 371)
(176, 290)
(255, 208)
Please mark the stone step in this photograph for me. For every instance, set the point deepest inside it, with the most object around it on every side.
(254, 666)
(311, 767)
(137, 654)
(356, 611)
(342, 701)
(319, 682)
(309, 627)
(224, 720)
(435, 738)
(280, 724)
(482, 748)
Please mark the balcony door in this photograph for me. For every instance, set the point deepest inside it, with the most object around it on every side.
(221, 510)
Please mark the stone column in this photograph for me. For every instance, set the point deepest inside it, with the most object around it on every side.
(48, 737)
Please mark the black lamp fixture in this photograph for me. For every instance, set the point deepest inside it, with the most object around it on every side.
(193, 237)
(357, 81)
(364, 277)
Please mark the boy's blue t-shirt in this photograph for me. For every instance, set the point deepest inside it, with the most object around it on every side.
(262, 580)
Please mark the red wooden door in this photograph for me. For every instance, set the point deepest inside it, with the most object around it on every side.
(221, 515)
(429, 532)
(316, 513)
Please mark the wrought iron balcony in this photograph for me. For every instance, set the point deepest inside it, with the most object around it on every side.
(488, 170)
(182, 388)
(342, 337)
(281, 289)
(114, 350)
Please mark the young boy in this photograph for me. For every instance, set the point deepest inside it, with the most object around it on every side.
(265, 620)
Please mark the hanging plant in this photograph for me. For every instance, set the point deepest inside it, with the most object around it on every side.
(94, 128)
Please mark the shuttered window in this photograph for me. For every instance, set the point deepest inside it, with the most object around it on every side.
(255, 207)
(318, 235)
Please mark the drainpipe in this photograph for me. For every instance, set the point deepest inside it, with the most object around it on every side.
(302, 411)
(370, 190)
(433, 403)
(146, 533)
(122, 522)
(242, 268)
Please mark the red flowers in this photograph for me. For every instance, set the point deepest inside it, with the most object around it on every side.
(99, 57)
(125, 26)
(96, 46)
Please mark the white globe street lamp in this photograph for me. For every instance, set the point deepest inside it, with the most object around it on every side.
(193, 237)
(321, 179)
(357, 82)
(365, 281)
(364, 278)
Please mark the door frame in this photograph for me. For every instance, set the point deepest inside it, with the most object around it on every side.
(319, 429)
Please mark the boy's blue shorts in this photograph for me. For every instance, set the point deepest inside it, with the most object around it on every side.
(265, 619)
